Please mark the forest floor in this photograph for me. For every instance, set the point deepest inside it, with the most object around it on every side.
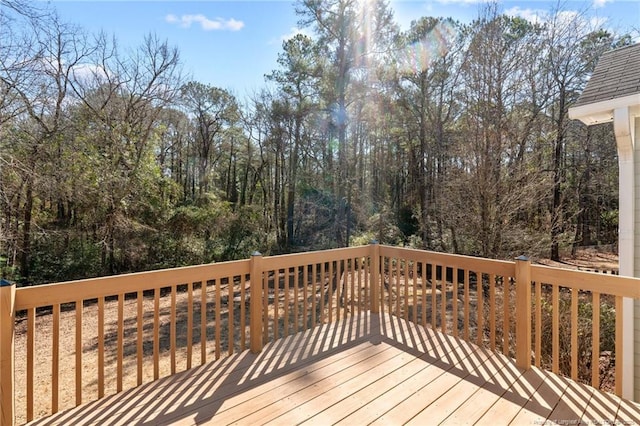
(590, 259)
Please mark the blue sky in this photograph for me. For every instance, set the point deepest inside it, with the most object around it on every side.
(232, 44)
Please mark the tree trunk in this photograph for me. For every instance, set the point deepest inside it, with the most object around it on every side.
(25, 255)
(556, 208)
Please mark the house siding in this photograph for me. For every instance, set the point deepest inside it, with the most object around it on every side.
(636, 263)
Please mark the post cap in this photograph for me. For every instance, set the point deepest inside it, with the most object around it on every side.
(374, 241)
(522, 257)
(5, 283)
(256, 253)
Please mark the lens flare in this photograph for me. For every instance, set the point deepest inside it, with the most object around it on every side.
(418, 56)
(364, 40)
(338, 115)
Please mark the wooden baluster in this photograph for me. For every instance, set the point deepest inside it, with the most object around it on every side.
(423, 282)
(156, 333)
(349, 286)
(574, 334)
(285, 310)
(538, 338)
(391, 285)
(398, 287)
(443, 298)
(189, 324)
(203, 318)
(466, 304)
(338, 290)
(55, 358)
(454, 300)
(595, 344)
(120, 343)
(480, 307)
(296, 295)
(232, 314)
(31, 331)
(414, 274)
(434, 305)
(405, 298)
(276, 302)
(172, 329)
(366, 271)
(313, 298)
(555, 306)
(492, 311)
(140, 328)
(243, 312)
(219, 319)
(506, 323)
(100, 347)
(78, 342)
(381, 285)
(357, 266)
(330, 298)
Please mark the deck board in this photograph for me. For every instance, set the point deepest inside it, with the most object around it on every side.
(365, 369)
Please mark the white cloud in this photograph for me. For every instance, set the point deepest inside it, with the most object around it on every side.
(535, 16)
(294, 32)
(572, 17)
(216, 24)
(83, 72)
(463, 1)
(564, 18)
(600, 3)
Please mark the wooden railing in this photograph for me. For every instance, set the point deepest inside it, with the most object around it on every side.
(584, 309)
(561, 320)
(447, 292)
(136, 328)
(139, 327)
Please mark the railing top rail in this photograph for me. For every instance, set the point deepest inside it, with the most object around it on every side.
(308, 258)
(49, 294)
(499, 267)
(589, 281)
(70, 291)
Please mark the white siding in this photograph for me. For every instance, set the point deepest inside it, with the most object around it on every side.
(636, 311)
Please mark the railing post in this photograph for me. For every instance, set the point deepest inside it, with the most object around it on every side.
(255, 303)
(7, 345)
(523, 312)
(375, 277)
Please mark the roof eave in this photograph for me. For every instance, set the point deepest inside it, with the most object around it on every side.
(602, 112)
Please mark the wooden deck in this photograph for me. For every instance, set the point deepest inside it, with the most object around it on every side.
(366, 369)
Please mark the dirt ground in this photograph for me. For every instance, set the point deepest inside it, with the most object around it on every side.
(590, 259)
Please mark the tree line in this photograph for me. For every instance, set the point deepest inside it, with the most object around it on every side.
(447, 136)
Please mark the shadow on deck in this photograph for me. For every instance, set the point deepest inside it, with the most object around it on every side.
(366, 369)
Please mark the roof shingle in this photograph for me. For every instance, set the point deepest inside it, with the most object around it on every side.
(616, 75)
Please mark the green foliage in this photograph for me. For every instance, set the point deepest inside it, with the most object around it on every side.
(212, 230)
(407, 222)
(65, 258)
